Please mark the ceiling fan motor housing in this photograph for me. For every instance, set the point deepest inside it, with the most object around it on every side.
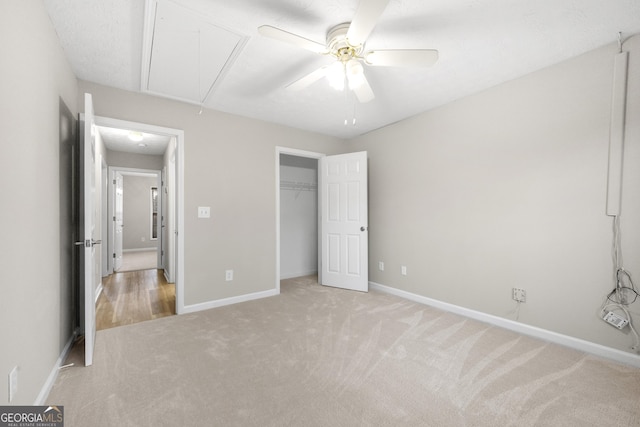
(338, 44)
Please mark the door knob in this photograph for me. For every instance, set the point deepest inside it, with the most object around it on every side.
(363, 228)
(88, 243)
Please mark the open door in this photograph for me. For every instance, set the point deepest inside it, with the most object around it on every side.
(89, 225)
(343, 224)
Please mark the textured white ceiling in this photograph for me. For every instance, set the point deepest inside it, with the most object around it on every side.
(481, 43)
(118, 140)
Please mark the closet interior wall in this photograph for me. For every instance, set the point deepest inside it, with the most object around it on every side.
(298, 216)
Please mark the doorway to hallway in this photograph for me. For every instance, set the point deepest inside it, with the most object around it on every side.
(135, 296)
(141, 279)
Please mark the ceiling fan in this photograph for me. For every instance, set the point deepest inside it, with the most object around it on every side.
(346, 43)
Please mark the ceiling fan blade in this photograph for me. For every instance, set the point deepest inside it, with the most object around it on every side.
(309, 79)
(294, 39)
(365, 20)
(363, 91)
(401, 58)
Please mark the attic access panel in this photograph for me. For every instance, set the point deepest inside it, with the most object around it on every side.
(188, 55)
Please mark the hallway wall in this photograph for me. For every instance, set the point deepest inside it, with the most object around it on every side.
(35, 305)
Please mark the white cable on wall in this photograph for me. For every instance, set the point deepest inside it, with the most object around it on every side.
(616, 133)
(617, 299)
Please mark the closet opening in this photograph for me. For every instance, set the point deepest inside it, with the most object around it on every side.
(297, 219)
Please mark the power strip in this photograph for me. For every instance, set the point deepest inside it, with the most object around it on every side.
(615, 320)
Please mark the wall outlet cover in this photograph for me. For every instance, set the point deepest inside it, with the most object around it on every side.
(13, 383)
(204, 212)
(519, 295)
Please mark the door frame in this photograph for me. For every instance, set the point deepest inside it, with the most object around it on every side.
(179, 191)
(104, 194)
(297, 153)
(155, 173)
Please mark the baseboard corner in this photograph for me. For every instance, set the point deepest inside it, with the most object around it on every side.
(53, 375)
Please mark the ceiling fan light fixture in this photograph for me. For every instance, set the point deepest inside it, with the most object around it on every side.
(355, 73)
(335, 75)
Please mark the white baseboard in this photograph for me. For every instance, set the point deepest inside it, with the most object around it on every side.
(228, 301)
(302, 274)
(140, 249)
(51, 379)
(554, 337)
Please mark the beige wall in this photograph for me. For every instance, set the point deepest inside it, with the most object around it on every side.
(229, 166)
(135, 161)
(507, 188)
(34, 307)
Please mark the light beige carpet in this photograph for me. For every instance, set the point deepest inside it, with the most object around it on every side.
(317, 356)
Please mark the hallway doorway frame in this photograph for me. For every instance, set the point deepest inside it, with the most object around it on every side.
(179, 190)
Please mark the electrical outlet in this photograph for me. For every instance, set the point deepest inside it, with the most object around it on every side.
(204, 212)
(403, 270)
(13, 383)
(228, 275)
(519, 295)
(381, 266)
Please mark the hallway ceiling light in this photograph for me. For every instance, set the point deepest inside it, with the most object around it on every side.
(136, 136)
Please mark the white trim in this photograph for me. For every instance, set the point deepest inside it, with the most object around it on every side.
(231, 300)
(150, 12)
(554, 337)
(298, 153)
(179, 135)
(148, 25)
(53, 375)
(150, 249)
(139, 172)
(179, 181)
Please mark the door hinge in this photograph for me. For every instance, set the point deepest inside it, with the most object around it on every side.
(114, 181)
(114, 256)
(114, 218)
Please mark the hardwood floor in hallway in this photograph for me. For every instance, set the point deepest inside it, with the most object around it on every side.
(134, 296)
